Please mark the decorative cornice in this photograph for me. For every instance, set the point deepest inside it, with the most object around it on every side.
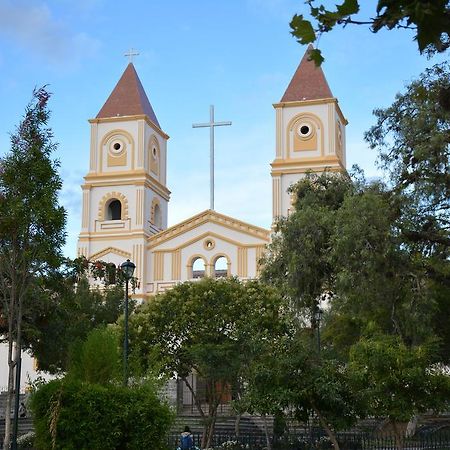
(128, 119)
(209, 216)
(110, 250)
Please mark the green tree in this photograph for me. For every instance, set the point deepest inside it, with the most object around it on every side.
(97, 359)
(211, 328)
(292, 376)
(297, 260)
(397, 381)
(412, 137)
(430, 20)
(65, 313)
(31, 223)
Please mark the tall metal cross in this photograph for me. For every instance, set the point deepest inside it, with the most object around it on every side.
(211, 124)
(130, 53)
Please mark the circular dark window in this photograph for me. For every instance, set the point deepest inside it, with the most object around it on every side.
(116, 146)
(304, 129)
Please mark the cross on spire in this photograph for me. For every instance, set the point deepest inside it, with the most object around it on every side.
(211, 124)
(130, 53)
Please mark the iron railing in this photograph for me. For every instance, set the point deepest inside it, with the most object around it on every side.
(317, 440)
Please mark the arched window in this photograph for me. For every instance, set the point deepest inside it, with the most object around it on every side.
(220, 267)
(198, 268)
(157, 216)
(114, 210)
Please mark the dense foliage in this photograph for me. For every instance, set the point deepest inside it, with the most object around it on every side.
(430, 21)
(31, 223)
(213, 328)
(70, 415)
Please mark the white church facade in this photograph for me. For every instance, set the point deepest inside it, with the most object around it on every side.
(125, 196)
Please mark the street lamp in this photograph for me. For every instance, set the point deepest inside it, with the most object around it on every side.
(318, 317)
(127, 270)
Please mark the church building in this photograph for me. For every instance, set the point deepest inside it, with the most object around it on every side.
(126, 197)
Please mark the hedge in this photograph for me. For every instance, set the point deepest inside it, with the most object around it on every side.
(73, 415)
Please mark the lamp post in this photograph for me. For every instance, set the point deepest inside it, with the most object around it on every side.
(127, 270)
(318, 317)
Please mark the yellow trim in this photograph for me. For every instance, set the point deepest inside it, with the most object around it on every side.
(85, 209)
(322, 101)
(176, 265)
(93, 155)
(158, 265)
(107, 250)
(131, 177)
(140, 146)
(155, 202)
(154, 167)
(205, 217)
(139, 206)
(301, 170)
(116, 196)
(195, 239)
(279, 133)
(293, 123)
(242, 269)
(106, 235)
(129, 119)
(107, 137)
(306, 161)
(139, 260)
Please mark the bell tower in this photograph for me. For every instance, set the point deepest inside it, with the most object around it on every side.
(125, 197)
(310, 133)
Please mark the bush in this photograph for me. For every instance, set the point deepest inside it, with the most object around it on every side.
(26, 441)
(71, 415)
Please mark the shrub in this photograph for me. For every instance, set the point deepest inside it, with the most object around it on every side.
(26, 441)
(69, 414)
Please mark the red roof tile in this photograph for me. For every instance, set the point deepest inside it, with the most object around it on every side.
(308, 82)
(128, 98)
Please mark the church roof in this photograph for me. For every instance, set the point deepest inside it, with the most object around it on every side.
(308, 82)
(128, 98)
(209, 216)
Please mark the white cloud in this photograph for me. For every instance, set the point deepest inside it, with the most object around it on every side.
(32, 26)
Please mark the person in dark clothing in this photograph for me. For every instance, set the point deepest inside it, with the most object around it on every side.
(186, 441)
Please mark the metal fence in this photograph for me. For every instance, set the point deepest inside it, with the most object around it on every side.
(317, 440)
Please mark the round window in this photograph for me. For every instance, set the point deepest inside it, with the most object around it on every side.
(305, 130)
(154, 152)
(116, 147)
(209, 244)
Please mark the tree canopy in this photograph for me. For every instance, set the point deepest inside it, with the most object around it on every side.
(211, 328)
(429, 19)
(31, 223)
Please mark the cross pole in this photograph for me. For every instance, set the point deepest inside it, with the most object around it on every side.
(130, 53)
(211, 124)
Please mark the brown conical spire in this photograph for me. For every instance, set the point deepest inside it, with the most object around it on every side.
(308, 82)
(128, 98)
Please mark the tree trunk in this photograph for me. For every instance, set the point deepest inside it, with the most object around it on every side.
(327, 429)
(237, 425)
(398, 435)
(266, 432)
(9, 396)
(10, 393)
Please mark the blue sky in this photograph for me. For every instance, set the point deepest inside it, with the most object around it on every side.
(235, 54)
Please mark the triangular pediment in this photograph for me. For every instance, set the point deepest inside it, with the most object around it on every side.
(209, 216)
(109, 250)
